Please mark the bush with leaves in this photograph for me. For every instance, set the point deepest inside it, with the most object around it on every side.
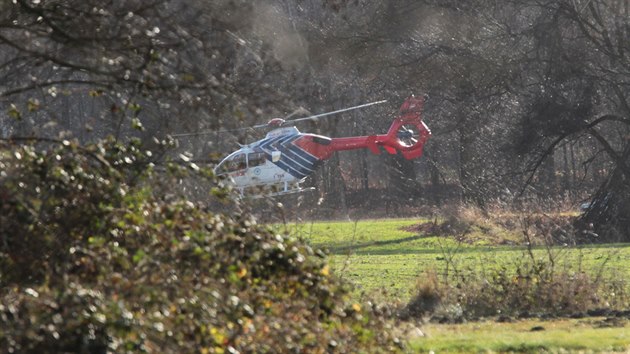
(531, 289)
(93, 259)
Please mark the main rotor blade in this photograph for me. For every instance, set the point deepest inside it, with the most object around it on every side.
(206, 132)
(335, 112)
(257, 126)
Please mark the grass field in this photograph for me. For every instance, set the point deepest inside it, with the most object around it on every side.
(560, 335)
(384, 261)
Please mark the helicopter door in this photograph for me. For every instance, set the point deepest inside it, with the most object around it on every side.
(257, 167)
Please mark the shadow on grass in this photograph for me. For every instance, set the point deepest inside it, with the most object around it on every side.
(380, 247)
(359, 246)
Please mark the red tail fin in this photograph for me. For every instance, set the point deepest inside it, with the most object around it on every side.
(408, 133)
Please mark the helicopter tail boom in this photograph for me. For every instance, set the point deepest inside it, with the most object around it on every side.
(407, 136)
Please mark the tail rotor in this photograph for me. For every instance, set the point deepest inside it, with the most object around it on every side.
(408, 133)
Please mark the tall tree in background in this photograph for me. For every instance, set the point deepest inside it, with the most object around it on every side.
(600, 112)
(169, 65)
(522, 86)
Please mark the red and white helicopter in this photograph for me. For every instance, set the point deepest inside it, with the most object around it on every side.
(285, 157)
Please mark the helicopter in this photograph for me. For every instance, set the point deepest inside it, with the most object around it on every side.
(285, 157)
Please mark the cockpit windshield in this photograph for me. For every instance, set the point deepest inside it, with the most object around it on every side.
(232, 164)
(240, 161)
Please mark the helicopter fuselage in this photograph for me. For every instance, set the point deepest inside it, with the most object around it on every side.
(277, 159)
(285, 157)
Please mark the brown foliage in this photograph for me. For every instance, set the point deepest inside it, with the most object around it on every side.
(94, 260)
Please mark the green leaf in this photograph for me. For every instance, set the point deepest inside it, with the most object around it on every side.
(140, 254)
(136, 124)
(14, 112)
(33, 104)
(95, 93)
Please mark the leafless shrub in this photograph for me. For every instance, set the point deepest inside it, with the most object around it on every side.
(429, 295)
(542, 283)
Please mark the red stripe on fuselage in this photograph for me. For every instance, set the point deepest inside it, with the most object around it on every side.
(327, 146)
(320, 151)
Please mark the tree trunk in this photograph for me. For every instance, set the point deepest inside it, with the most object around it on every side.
(469, 169)
(607, 218)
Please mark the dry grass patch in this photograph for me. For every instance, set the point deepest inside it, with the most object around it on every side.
(473, 226)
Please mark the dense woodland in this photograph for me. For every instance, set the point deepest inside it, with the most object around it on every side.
(527, 99)
(115, 237)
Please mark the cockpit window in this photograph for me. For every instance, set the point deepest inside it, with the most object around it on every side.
(235, 163)
(256, 159)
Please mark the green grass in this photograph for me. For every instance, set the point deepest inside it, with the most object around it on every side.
(338, 236)
(573, 335)
(384, 260)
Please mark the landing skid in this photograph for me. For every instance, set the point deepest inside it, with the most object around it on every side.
(287, 192)
(274, 191)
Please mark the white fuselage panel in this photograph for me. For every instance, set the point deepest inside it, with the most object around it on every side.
(266, 174)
